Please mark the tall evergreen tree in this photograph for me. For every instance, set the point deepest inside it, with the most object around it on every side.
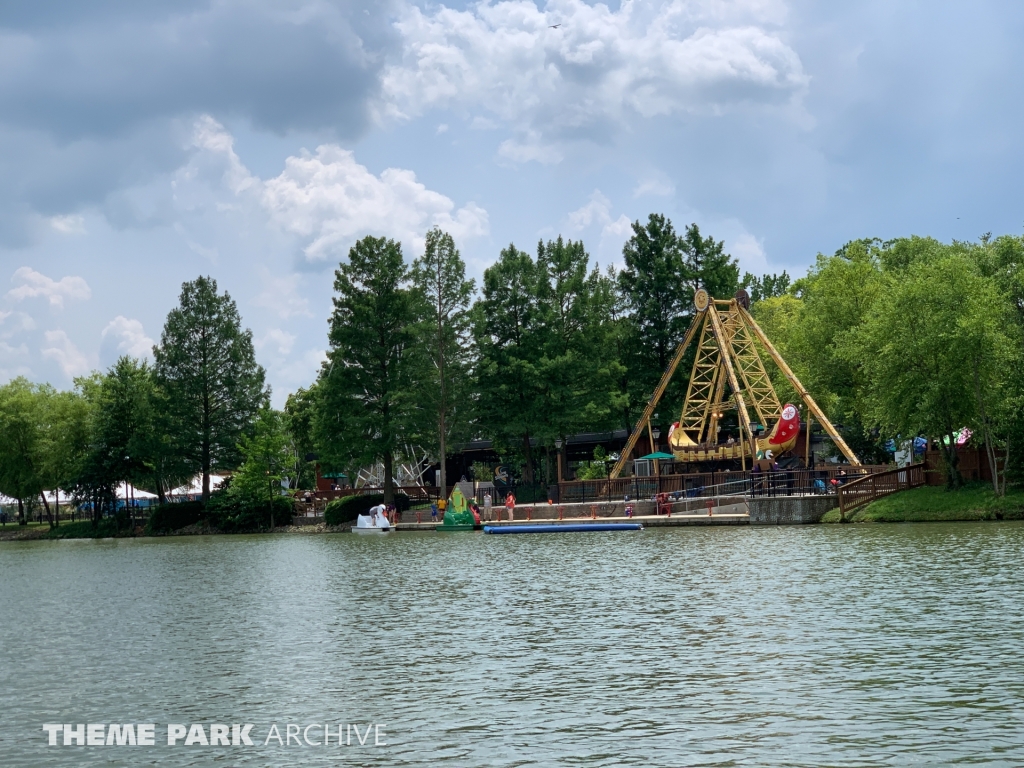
(367, 384)
(710, 267)
(578, 371)
(507, 328)
(206, 368)
(300, 410)
(663, 271)
(124, 423)
(444, 293)
(657, 291)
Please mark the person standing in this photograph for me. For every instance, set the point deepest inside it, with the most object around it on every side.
(488, 511)
(510, 505)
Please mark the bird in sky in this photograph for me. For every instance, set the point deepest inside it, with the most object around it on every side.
(554, 26)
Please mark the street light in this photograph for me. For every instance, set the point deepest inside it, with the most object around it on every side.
(656, 432)
(558, 458)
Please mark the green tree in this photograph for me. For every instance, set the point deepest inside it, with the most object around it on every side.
(710, 266)
(657, 293)
(300, 410)
(66, 443)
(1002, 260)
(22, 423)
(207, 371)
(444, 295)
(508, 331)
(766, 287)
(367, 384)
(837, 297)
(124, 422)
(266, 458)
(934, 351)
(577, 371)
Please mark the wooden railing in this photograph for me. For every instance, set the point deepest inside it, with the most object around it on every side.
(857, 493)
(416, 493)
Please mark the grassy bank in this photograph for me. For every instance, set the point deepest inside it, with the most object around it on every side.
(976, 501)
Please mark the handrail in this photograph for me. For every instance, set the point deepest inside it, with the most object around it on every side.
(864, 490)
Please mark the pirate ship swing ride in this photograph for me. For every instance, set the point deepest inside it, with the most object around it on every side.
(729, 374)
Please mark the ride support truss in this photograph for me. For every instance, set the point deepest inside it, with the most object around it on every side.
(727, 353)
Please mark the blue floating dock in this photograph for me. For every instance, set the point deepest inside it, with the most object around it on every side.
(563, 527)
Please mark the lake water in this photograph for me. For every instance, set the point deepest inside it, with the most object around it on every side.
(810, 646)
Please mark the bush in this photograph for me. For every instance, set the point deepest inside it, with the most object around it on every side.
(171, 517)
(346, 510)
(227, 512)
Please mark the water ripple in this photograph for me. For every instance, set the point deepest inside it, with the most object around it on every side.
(851, 646)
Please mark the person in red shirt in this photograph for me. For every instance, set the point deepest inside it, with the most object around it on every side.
(510, 505)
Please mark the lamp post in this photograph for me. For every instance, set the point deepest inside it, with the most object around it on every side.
(558, 457)
(656, 433)
(130, 512)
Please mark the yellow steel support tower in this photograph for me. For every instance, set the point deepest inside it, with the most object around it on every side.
(727, 353)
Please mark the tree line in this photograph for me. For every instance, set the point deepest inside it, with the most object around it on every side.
(913, 337)
(549, 347)
(198, 408)
(896, 339)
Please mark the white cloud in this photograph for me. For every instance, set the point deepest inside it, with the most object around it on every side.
(276, 339)
(749, 252)
(622, 227)
(329, 200)
(68, 225)
(7, 351)
(599, 68)
(64, 353)
(657, 186)
(530, 150)
(125, 336)
(282, 295)
(210, 135)
(35, 284)
(597, 210)
(12, 323)
(442, 128)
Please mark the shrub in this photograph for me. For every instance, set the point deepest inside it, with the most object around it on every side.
(231, 514)
(171, 517)
(347, 509)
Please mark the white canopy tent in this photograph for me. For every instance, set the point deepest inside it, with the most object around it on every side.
(127, 491)
(195, 488)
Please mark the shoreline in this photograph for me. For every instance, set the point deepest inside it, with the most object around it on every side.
(14, 532)
(975, 502)
(930, 504)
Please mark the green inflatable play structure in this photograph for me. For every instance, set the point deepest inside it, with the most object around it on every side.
(457, 517)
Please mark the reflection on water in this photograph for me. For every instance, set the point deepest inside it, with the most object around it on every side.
(873, 645)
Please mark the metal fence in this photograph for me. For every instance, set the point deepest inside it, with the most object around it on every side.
(695, 485)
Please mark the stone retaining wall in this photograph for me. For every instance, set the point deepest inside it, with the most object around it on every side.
(790, 510)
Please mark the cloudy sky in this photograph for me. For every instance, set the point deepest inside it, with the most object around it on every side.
(143, 144)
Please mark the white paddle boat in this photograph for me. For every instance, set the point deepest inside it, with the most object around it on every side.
(374, 521)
